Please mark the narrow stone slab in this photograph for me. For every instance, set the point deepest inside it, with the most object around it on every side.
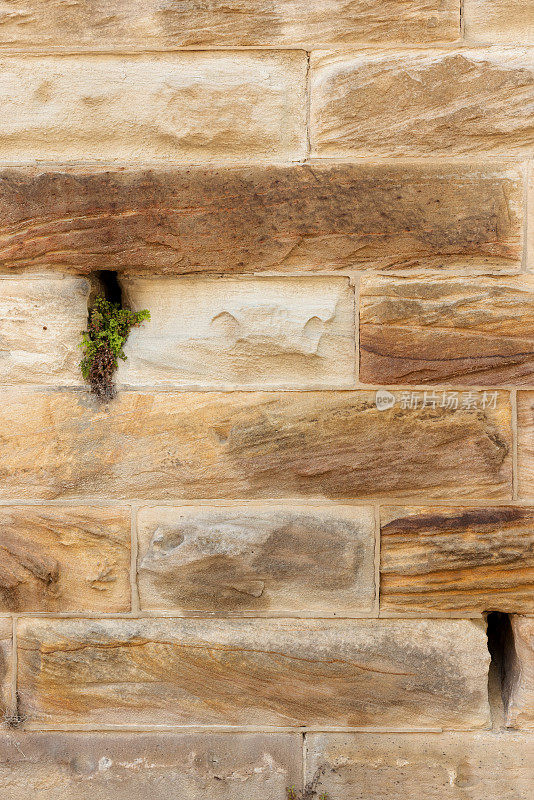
(411, 103)
(457, 559)
(282, 672)
(457, 331)
(249, 219)
(267, 332)
(525, 443)
(260, 558)
(506, 21)
(6, 667)
(64, 558)
(133, 766)
(450, 766)
(519, 686)
(188, 445)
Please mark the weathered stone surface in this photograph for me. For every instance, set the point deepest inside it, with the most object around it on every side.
(6, 675)
(194, 107)
(282, 672)
(530, 221)
(415, 104)
(456, 331)
(507, 21)
(249, 219)
(64, 558)
(519, 686)
(155, 25)
(118, 766)
(40, 324)
(457, 559)
(262, 558)
(239, 445)
(525, 443)
(266, 332)
(450, 766)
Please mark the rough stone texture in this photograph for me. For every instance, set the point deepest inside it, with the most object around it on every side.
(530, 221)
(282, 672)
(40, 324)
(525, 443)
(188, 445)
(153, 24)
(268, 332)
(193, 107)
(412, 103)
(260, 558)
(6, 635)
(115, 766)
(61, 558)
(451, 766)
(457, 559)
(455, 331)
(506, 21)
(519, 686)
(249, 219)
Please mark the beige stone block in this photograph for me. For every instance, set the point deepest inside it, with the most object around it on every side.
(530, 221)
(525, 443)
(413, 103)
(268, 558)
(6, 669)
(519, 675)
(504, 21)
(251, 672)
(64, 558)
(192, 107)
(240, 445)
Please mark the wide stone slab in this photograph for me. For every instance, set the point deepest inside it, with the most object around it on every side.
(268, 558)
(240, 445)
(457, 559)
(457, 331)
(266, 332)
(506, 21)
(448, 766)
(243, 672)
(411, 103)
(525, 443)
(519, 675)
(249, 219)
(115, 766)
(64, 558)
(6, 666)
(189, 107)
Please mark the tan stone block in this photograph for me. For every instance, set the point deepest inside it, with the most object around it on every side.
(6, 668)
(530, 221)
(448, 766)
(261, 558)
(457, 559)
(506, 21)
(519, 675)
(192, 107)
(249, 219)
(240, 445)
(247, 672)
(419, 104)
(64, 558)
(525, 443)
(458, 331)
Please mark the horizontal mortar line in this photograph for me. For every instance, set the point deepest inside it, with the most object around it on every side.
(214, 616)
(233, 729)
(412, 500)
(356, 386)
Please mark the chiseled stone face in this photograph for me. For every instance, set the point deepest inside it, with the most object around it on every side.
(270, 332)
(249, 219)
(6, 636)
(262, 558)
(422, 766)
(134, 766)
(457, 559)
(188, 445)
(525, 443)
(457, 331)
(519, 686)
(241, 672)
(506, 21)
(64, 558)
(418, 104)
(194, 107)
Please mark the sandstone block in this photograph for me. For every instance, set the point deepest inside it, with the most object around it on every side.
(410, 104)
(519, 686)
(259, 558)
(457, 559)
(6, 666)
(525, 443)
(188, 445)
(192, 107)
(455, 331)
(506, 21)
(64, 558)
(530, 223)
(282, 672)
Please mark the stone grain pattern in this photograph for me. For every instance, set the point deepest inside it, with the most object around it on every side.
(450, 766)
(249, 219)
(6, 667)
(259, 558)
(504, 21)
(519, 675)
(410, 104)
(188, 445)
(115, 766)
(282, 672)
(213, 333)
(64, 558)
(525, 444)
(455, 331)
(192, 107)
(457, 559)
